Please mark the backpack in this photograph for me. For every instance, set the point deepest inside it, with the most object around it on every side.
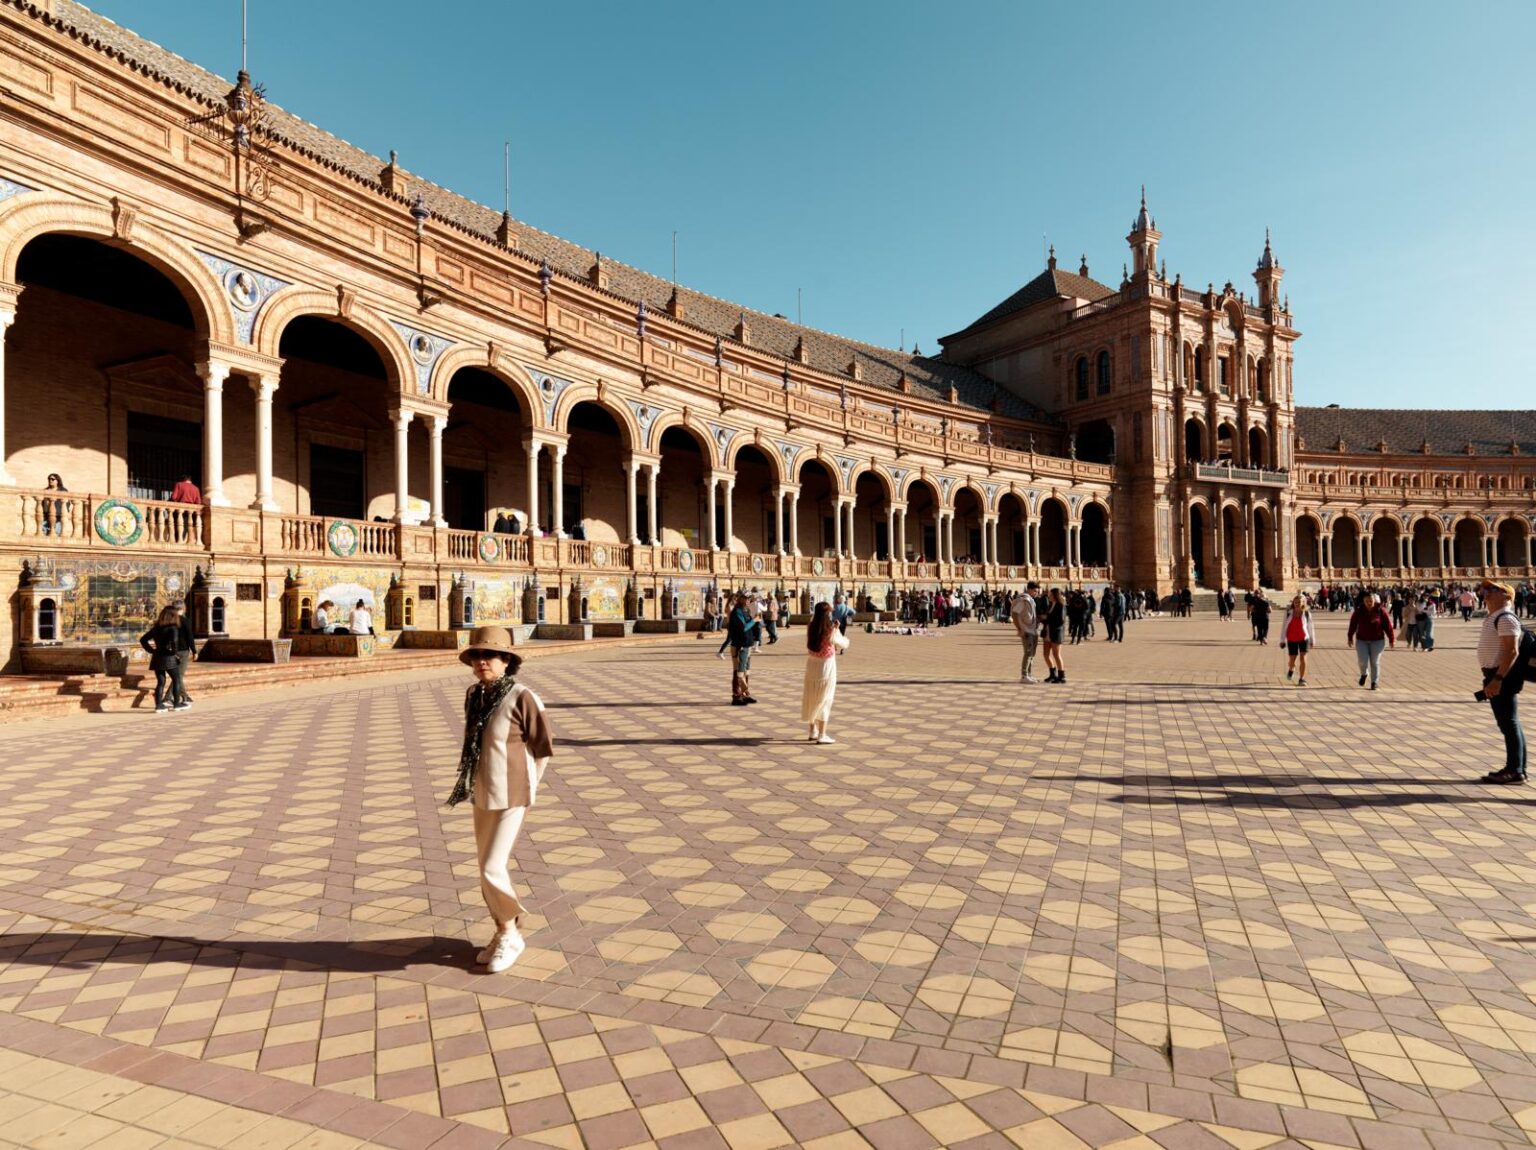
(1524, 667)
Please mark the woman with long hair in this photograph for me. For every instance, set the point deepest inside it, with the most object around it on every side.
(823, 643)
(1299, 637)
(162, 643)
(1053, 625)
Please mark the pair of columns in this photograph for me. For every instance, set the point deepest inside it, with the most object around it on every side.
(711, 490)
(534, 449)
(214, 374)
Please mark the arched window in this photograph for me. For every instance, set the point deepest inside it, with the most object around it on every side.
(216, 616)
(1199, 369)
(1103, 373)
(410, 612)
(47, 621)
(1082, 377)
(1262, 386)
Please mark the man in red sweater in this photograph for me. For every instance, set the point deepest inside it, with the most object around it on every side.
(1370, 630)
(186, 491)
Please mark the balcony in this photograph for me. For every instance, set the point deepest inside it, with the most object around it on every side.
(1248, 476)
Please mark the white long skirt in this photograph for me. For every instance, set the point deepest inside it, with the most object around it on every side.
(820, 686)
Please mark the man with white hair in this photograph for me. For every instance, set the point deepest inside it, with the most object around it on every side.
(1498, 649)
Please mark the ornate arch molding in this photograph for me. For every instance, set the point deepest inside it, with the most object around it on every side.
(770, 450)
(703, 432)
(28, 215)
(492, 360)
(558, 396)
(340, 306)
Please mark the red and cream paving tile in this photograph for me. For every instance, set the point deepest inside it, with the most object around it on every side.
(1176, 902)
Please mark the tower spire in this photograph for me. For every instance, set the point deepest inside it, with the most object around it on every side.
(1143, 239)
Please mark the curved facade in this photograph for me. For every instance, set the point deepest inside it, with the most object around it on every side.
(387, 391)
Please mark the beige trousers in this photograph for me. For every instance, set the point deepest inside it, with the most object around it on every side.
(495, 836)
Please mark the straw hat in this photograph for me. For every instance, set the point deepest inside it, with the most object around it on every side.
(1503, 589)
(497, 639)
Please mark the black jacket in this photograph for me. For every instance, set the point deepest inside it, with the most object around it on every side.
(185, 639)
(161, 643)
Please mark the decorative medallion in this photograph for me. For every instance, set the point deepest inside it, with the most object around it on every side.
(685, 560)
(10, 189)
(845, 465)
(245, 288)
(898, 478)
(1490, 520)
(817, 566)
(991, 490)
(1013, 572)
(1075, 501)
(1405, 518)
(342, 538)
(645, 418)
(1034, 501)
(489, 549)
(173, 583)
(970, 572)
(1326, 517)
(788, 452)
(119, 522)
(946, 482)
(551, 388)
(599, 555)
(426, 349)
(1366, 517)
(723, 436)
(757, 565)
(1447, 520)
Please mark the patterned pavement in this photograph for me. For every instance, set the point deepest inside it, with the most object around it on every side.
(1176, 902)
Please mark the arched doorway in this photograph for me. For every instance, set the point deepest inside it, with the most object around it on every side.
(1512, 546)
(594, 487)
(337, 389)
(869, 526)
(819, 531)
(1346, 541)
(1386, 546)
(1194, 441)
(1096, 441)
(1258, 448)
(1233, 559)
(757, 520)
(1053, 533)
(1224, 443)
(1424, 550)
(683, 490)
(132, 428)
(969, 516)
(484, 473)
(1012, 530)
(922, 522)
(1468, 543)
(1264, 545)
(1093, 536)
(1199, 543)
(1308, 551)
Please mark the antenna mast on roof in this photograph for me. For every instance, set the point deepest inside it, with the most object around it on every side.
(674, 261)
(799, 296)
(244, 25)
(902, 346)
(506, 177)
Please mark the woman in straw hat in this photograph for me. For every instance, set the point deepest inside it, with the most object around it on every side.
(507, 745)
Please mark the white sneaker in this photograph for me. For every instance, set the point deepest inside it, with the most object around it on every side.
(508, 946)
(1029, 679)
(824, 739)
(488, 949)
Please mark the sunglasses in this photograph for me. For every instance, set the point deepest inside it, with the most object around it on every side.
(477, 654)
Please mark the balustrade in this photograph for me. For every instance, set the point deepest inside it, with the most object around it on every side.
(65, 518)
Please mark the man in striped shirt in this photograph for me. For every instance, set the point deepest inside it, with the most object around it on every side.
(1497, 646)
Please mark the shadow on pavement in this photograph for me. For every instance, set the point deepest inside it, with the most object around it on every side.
(73, 950)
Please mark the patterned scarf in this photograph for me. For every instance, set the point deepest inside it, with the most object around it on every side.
(479, 705)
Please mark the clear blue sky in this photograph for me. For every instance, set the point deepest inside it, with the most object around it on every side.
(901, 161)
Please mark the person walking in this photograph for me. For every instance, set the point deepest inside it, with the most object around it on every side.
(507, 746)
(1027, 623)
(1426, 618)
(1055, 623)
(1298, 635)
(186, 651)
(823, 644)
(1259, 608)
(1498, 647)
(841, 613)
(1370, 631)
(1110, 611)
(160, 642)
(771, 619)
(741, 634)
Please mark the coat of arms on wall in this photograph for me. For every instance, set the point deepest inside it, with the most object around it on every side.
(119, 522)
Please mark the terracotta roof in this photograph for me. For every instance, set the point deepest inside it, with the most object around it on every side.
(1448, 432)
(880, 367)
(1052, 283)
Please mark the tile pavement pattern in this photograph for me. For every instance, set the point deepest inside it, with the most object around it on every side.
(1174, 903)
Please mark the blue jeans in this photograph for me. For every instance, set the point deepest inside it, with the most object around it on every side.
(1368, 652)
(1506, 713)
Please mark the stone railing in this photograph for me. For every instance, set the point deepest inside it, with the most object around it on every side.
(65, 519)
(1226, 473)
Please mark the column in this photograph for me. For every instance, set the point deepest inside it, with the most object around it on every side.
(652, 473)
(1403, 545)
(214, 374)
(533, 486)
(264, 386)
(794, 522)
(632, 493)
(436, 425)
(557, 489)
(402, 421)
(730, 520)
(780, 500)
(1360, 548)
(1032, 543)
(852, 549)
(7, 317)
(1325, 549)
(901, 539)
(709, 514)
(890, 532)
(837, 529)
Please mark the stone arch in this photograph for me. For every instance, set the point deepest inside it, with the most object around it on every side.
(1095, 530)
(689, 423)
(1467, 547)
(292, 302)
(1309, 539)
(1055, 518)
(865, 467)
(579, 393)
(1425, 547)
(1511, 541)
(928, 481)
(518, 381)
(768, 450)
(35, 214)
(972, 484)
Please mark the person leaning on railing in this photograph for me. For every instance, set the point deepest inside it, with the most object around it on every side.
(53, 509)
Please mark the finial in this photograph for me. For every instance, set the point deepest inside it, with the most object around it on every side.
(545, 275)
(1050, 262)
(1082, 268)
(419, 213)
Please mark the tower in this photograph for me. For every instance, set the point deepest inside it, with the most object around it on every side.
(1268, 275)
(1143, 240)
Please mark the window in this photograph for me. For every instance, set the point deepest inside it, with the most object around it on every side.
(1199, 369)
(335, 482)
(161, 451)
(427, 592)
(216, 617)
(1104, 373)
(47, 621)
(1223, 376)
(1082, 377)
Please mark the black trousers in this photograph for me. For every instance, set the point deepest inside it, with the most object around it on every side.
(1506, 713)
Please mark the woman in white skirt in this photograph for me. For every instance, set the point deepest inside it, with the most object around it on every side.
(507, 745)
(823, 642)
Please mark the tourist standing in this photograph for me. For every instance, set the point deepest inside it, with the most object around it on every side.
(186, 651)
(1055, 623)
(1258, 613)
(771, 619)
(507, 746)
(1298, 635)
(823, 643)
(1027, 623)
(53, 509)
(841, 614)
(741, 633)
(160, 642)
(1110, 610)
(1498, 646)
(1370, 631)
(1426, 619)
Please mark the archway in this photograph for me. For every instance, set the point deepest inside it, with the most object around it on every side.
(682, 493)
(1425, 548)
(86, 304)
(869, 527)
(1346, 542)
(969, 515)
(594, 486)
(1194, 440)
(756, 510)
(1512, 544)
(1264, 544)
(1467, 544)
(1233, 558)
(1258, 447)
(1308, 551)
(1093, 536)
(1096, 441)
(1053, 533)
(1386, 545)
(818, 508)
(1199, 530)
(485, 475)
(1012, 530)
(922, 521)
(1225, 443)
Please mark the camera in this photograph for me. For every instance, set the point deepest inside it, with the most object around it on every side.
(1480, 695)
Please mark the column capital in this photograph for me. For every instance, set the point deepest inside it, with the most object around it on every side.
(263, 385)
(401, 417)
(10, 294)
(213, 373)
(436, 423)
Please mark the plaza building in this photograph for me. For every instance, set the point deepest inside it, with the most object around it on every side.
(387, 392)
